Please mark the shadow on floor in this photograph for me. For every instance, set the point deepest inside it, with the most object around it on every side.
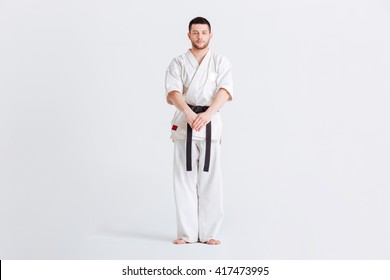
(138, 234)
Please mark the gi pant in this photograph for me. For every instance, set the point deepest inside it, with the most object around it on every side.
(198, 194)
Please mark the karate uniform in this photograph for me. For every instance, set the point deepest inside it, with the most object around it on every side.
(198, 194)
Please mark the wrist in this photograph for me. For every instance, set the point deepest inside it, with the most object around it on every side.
(187, 110)
(211, 110)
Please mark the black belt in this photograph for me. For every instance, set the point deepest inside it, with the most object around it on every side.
(198, 109)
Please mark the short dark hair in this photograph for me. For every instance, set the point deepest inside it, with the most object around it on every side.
(199, 20)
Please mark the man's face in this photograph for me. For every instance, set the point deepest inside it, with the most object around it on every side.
(200, 36)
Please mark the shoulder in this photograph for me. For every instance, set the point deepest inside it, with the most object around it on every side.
(179, 60)
(177, 63)
(220, 59)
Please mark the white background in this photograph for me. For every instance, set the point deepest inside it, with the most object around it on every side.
(85, 155)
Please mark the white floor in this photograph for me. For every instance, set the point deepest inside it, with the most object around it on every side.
(124, 224)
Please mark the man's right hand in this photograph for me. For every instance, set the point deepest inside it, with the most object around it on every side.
(176, 98)
(190, 116)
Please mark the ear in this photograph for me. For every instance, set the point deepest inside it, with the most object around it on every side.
(211, 35)
(188, 34)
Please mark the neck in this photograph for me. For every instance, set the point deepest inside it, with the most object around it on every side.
(199, 54)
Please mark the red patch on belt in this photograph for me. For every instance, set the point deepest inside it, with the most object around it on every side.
(174, 127)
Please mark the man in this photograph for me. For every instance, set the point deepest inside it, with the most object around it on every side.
(198, 83)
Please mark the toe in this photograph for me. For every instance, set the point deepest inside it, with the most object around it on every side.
(179, 241)
(213, 242)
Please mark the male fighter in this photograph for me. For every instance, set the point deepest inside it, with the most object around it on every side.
(198, 83)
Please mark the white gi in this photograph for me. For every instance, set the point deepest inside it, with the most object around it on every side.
(198, 194)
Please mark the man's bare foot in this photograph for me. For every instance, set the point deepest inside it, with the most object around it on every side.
(179, 241)
(213, 242)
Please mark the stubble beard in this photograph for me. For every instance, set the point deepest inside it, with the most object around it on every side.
(206, 44)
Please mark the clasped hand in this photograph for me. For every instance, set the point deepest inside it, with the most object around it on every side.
(198, 121)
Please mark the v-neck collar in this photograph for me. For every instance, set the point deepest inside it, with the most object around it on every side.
(193, 60)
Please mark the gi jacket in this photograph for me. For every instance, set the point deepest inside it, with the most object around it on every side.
(198, 83)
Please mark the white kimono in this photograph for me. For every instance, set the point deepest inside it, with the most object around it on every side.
(198, 194)
(198, 84)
